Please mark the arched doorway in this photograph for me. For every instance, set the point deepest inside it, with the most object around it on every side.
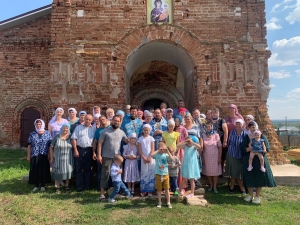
(28, 117)
(152, 104)
(160, 70)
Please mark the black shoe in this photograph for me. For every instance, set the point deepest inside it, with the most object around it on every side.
(231, 191)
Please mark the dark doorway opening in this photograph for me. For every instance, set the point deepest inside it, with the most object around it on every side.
(152, 104)
(28, 117)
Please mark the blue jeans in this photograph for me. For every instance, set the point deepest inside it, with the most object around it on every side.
(119, 185)
(83, 163)
(173, 183)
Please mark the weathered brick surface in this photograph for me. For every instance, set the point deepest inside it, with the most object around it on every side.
(67, 60)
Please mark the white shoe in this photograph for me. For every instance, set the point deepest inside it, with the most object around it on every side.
(43, 189)
(262, 169)
(111, 200)
(35, 189)
(256, 200)
(248, 198)
(250, 168)
(159, 205)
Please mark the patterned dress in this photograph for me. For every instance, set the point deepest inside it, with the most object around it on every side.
(63, 158)
(210, 155)
(39, 164)
(147, 169)
(55, 127)
(131, 170)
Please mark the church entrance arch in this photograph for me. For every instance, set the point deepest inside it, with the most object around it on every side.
(161, 70)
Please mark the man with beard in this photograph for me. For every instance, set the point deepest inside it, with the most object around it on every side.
(133, 124)
(159, 125)
(108, 146)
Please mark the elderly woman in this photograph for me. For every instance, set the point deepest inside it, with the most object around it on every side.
(234, 163)
(220, 127)
(56, 122)
(248, 119)
(96, 120)
(110, 114)
(61, 155)
(37, 154)
(198, 120)
(212, 151)
(233, 115)
(255, 178)
(148, 117)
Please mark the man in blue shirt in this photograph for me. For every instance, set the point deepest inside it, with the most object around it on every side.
(159, 125)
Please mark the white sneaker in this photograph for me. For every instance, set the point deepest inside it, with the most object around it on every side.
(256, 200)
(35, 189)
(248, 198)
(250, 168)
(111, 200)
(43, 189)
(170, 206)
(159, 205)
(262, 169)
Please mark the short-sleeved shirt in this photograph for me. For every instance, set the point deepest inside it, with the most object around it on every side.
(39, 144)
(170, 138)
(231, 122)
(218, 126)
(173, 172)
(55, 127)
(194, 131)
(98, 132)
(111, 141)
(84, 135)
(161, 164)
(146, 145)
(257, 145)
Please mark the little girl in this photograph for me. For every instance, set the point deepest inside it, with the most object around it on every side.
(258, 147)
(145, 148)
(131, 171)
(170, 137)
(190, 167)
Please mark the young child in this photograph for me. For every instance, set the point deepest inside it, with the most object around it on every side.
(131, 171)
(145, 148)
(258, 147)
(173, 165)
(115, 173)
(96, 110)
(161, 156)
(190, 166)
(170, 137)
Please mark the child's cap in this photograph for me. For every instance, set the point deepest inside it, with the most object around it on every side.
(257, 132)
(147, 126)
(132, 135)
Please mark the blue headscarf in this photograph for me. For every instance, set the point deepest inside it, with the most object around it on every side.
(179, 117)
(120, 112)
(194, 139)
(65, 125)
(210, 132)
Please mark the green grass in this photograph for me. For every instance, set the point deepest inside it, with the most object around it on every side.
(18, 205)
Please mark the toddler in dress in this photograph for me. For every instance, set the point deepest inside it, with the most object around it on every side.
(258, 148)
(131, 171)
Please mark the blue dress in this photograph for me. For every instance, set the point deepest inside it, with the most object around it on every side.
(190, 166)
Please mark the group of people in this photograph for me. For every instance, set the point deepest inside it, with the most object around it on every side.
(164, 149)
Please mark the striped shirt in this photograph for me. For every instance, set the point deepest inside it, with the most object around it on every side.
(234, 142)
(84, 135)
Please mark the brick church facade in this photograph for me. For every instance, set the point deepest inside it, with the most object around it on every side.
(81, 53)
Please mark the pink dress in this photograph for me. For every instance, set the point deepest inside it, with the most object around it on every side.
(210, 155)
(183, 134)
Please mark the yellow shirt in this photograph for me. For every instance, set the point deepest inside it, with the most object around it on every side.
(170, 138)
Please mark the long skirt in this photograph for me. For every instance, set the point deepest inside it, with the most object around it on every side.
(148, 176)
(39, 170)
(234, 167)
(63, 164)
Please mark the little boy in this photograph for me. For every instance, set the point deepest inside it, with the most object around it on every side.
(115, 173)
(173, 165)
(161, 156)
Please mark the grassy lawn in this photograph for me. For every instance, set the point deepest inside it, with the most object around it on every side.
(18, 205)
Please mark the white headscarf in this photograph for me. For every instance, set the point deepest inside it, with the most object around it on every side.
(42, 129)
(54, 117)
(147, 126)
(94, 111)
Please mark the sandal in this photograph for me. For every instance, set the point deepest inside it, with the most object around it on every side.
(67, 188)
(102, 197)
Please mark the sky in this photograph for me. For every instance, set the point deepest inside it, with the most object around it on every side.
(283, 34)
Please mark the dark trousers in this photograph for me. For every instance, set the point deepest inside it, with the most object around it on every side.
(173, 183)
(83, 163)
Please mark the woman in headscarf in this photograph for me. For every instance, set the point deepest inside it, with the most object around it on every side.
(56, 122)
(96, 120)
(148, 117)
(140, 114)
(234, 157)
(248, 119)
(37, 154)
(62, 158)
(198, 120)
(255, 178)
(120, 113)
(212, 151)
(72, 116)
(183, 135)
(233, 115)
(110, 114)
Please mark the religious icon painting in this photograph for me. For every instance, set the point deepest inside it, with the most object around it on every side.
(159, 11)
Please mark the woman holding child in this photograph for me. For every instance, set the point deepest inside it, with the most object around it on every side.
(255, 178)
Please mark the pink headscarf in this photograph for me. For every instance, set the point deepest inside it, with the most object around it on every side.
(236, 110)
